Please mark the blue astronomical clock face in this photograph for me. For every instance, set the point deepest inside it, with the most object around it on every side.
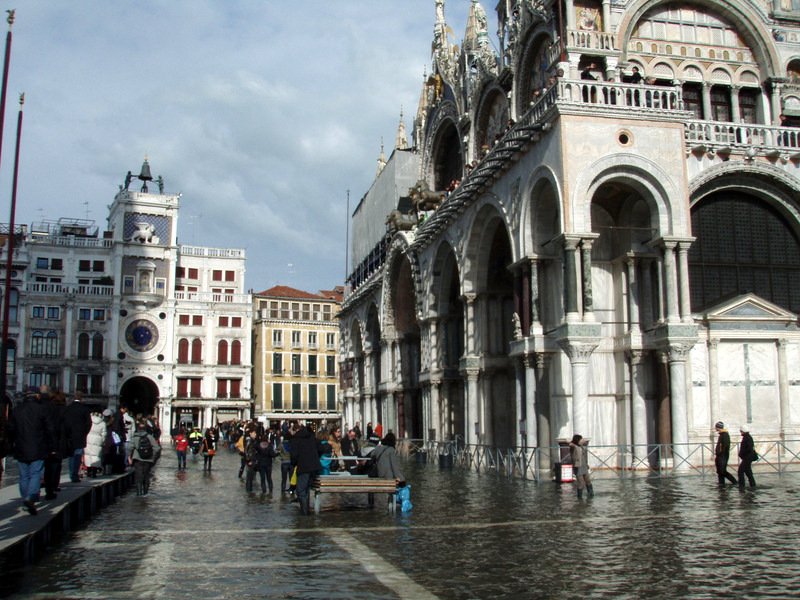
(141, 335)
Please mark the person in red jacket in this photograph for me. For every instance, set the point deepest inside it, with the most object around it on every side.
(181, 446)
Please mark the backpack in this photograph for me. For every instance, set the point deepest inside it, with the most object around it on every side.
(372, 464)
(145, 448)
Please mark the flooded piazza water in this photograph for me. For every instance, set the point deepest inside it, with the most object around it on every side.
(468, 536)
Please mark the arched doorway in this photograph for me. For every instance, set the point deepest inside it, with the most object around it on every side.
(139, 395)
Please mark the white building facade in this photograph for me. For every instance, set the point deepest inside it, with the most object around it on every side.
(618, 257)
(133, 318)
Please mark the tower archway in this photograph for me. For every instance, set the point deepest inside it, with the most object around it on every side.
(140, 396)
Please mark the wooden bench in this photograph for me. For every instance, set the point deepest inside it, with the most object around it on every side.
(353, 484)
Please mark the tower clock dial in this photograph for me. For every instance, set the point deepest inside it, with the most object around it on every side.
(141, 335)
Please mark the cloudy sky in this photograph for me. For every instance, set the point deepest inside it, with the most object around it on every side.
(261, 113)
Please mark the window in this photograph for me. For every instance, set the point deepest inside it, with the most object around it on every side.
(180, 272)
(277, 396)
(236, 321)
(183, 319)
(183, 387)
(273, 310)
(56, 264)
(312, 397)
(277, 363)
(330, 341)
(236, 352)
(97, 347)
(222, 352)
(13, 303)
(84, 265)
(312, 340)
(312, 365)
(194, 274)
(83, 346)
(41, 263)
(40, 379)
(44, 345)
(197, 351)
(330, 366)
(295, 311)
(99, 314)
(284, 310)
(296, 397)
(84, 314)
(296, 339)
(306, 312)
(222, 388)
(230, 275)
(216, 275)
(37, 312)
(52, 312)
(11, 358)
(277, 338)
(37, 344)
(91, 384)
(236, 388)
(51, 344)
(326, 312)
(98, 266)
(315, 309)
(296, 364)
(331, 393)
(183, 351)
(229, 388)
(197, 320)
(196, 389)
(223, 321)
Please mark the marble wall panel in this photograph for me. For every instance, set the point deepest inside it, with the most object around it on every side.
(762, 358)
(700, 416)
(794, 406)
(602, 374)
(766, 406)
(602, 421)
(699, 363)
(733, 406)
(793, 361)
(731, 361)
(561, 425)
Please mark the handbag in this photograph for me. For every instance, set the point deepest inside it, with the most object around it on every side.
(293, 480)
(212, 452)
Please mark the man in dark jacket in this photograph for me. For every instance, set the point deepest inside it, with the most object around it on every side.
(722, 454)
(747, 454)
(305, 450)
(30, 430)
(78, 420)
(350, 448)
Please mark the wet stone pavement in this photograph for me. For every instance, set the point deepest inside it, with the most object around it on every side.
(200, 535)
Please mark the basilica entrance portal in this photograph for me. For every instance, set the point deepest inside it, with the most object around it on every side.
(139, 395)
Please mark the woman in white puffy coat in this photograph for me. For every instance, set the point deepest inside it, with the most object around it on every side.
(92, 456)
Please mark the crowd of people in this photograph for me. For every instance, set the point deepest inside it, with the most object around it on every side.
(46, 429)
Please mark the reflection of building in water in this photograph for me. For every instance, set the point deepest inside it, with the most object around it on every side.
(131, 316)
(647, 241)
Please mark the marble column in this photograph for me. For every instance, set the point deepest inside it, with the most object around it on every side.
(519, 401)
(472, 407)
(683, 282)
(531, 390)
(579, 354)
(569, 10)
(649, 304)
(586, 264)
(783, 386)
(436, 412)
(677, 356)
(713, 383)
(435, 345)
(776, 103)
(633, 296)
(736, 116)
(469, 325)
(526, 300)
(542, 413)
(670, 282)
(707, 112)
(534, 294)
(571, 280)
(638, 407)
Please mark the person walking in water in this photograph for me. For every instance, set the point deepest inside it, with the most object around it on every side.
(580, 465)
(747, 454)
(722, 454)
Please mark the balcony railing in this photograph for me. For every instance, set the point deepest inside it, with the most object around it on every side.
(211, 252)
(716, 135)
(66, 288)
(631, 96)
(69, 240)
(213, 297)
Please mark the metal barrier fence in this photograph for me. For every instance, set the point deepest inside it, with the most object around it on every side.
(654, 460)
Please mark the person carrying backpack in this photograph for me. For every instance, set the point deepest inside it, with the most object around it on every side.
(144, 452)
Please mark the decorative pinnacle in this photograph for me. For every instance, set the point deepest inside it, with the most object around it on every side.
(10, 18)
(21, 99)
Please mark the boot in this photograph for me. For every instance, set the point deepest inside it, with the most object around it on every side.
(140, 489)
(146, 487)
(590, 490)
(580, 493)
(304, 505)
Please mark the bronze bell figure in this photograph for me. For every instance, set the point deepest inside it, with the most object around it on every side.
(145, 175)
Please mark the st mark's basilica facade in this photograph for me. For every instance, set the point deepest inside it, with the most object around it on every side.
(618, 254)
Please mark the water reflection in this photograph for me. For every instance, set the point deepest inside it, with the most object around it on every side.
(468, 536)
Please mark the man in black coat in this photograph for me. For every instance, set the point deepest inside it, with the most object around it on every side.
(350, 448)
(305, 450)
(78, 421)
(747, 454)
(30, 430)
(722, 454)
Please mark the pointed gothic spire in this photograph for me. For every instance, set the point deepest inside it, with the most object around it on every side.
(381, 160)
(401, 141)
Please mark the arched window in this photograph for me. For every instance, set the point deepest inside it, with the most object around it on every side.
(236, 352)
(83, 345)
(197, 351)
(222, 352)
(11, 358)
(37, 343)
(743, 246)
(183, 351)
(13, 304)
(51, 344)
(97, 346)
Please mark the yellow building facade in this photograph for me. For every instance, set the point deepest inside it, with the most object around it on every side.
(295, 346)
